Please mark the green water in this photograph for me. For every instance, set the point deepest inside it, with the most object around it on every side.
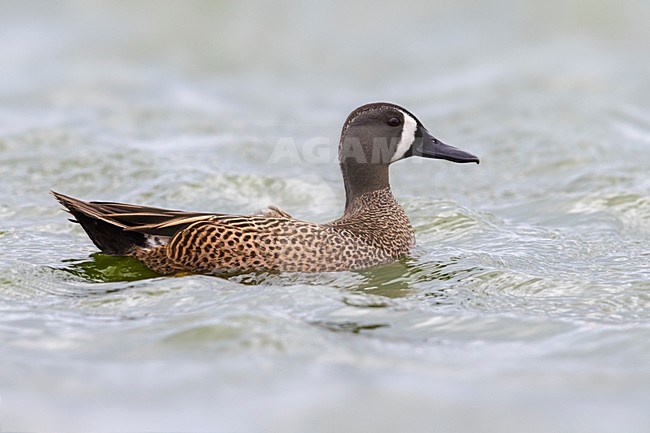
(525, 306)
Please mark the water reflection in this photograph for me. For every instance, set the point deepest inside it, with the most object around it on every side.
(103, 268)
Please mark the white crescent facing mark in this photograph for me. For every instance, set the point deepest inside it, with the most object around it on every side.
(407, 138)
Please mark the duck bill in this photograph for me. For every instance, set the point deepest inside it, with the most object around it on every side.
(431, 147)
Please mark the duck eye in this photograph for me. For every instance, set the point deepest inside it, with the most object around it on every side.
(393, 121)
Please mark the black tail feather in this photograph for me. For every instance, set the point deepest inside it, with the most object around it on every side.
(118, 227)
(109, 236)
(110, 239)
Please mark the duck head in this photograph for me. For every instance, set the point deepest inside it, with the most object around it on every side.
(378, 134)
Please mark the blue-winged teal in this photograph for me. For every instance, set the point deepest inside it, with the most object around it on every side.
(373, 229)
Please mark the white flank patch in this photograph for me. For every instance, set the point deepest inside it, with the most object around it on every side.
(407, 138)
(156, 241)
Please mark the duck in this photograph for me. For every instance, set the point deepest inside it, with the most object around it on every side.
(373, 230)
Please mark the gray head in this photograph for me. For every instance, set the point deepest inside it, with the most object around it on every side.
(378, 134)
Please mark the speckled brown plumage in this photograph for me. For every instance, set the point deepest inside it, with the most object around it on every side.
(239, 244)
(373, 229)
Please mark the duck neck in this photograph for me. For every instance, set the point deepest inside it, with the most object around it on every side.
(362, 178)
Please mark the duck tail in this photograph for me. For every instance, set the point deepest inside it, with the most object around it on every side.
(107, 233)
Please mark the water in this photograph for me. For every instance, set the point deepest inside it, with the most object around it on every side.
(525, 307)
